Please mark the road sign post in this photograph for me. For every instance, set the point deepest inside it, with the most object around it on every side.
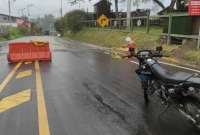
(169, 30)
(128, 19)
(198, 45)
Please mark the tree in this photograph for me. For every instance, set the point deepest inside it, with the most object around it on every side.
(35, 29)
(59, 25)
(73, 20)
(46, 22)
(159, 3)
(180, 3)
(73, 2)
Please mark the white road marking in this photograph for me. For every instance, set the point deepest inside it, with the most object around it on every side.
(134, 62)
(173, 65)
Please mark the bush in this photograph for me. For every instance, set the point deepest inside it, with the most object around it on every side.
(14, 33)
(72, 22)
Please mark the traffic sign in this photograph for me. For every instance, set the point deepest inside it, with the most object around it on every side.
(103, 21)
(194, 8)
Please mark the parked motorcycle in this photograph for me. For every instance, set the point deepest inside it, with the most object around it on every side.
(178, 89)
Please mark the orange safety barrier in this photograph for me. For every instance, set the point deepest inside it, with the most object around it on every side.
(28, 51)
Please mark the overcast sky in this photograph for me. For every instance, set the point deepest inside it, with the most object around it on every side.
(42, 7)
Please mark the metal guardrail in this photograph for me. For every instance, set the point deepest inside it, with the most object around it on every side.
(121, 25)
(182, 36)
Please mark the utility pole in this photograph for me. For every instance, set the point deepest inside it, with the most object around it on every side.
(28, 10)
(9, 11)
(61, 8)
(62, 21)
(198, 44)
(129, 15)
(22, 12)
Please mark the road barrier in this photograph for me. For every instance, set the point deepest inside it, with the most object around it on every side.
(29, 51)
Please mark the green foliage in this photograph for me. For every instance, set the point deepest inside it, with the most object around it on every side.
(14, 33)
(35, 29)
(46, 22)
(72, 22)
(114, 38)
(2, 38)
(193, 56)
(59, 25)
(100, 37)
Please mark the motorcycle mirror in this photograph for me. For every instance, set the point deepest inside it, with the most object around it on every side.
(159, 48)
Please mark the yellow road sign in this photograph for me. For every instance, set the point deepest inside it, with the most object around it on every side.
(103, 21)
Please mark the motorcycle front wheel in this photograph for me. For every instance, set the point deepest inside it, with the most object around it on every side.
(145, 88)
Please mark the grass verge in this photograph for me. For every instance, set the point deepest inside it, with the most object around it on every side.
(180, 54)
(2, 38)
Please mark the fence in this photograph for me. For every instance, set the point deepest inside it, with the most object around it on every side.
(147, 24)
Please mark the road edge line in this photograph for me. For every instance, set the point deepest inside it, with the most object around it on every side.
(42, 112)
(172, 65)
(177, 66)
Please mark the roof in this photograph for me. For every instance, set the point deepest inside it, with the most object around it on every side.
(10, 16)
(101, 1)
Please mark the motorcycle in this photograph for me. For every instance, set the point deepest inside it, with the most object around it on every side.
(179, 89)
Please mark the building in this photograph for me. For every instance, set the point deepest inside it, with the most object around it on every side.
(103, 7)
(185, 25)
(195, 24)
(13, 21)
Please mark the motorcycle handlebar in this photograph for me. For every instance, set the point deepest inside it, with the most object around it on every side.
(153, 54)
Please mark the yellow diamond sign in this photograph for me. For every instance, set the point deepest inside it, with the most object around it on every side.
(103, 21)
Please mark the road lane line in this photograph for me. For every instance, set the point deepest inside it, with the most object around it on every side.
(172, 65)
(15, 100)
(23, 74)
(9, 77)
(42, 113)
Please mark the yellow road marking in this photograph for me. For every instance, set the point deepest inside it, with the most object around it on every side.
(9, 77)
(42, 113)
(15, 100)
(28, 62)
(24, 74)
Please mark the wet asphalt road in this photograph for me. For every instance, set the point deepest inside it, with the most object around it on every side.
(86, 93)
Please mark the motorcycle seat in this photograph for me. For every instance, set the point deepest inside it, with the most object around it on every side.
(169, 76)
